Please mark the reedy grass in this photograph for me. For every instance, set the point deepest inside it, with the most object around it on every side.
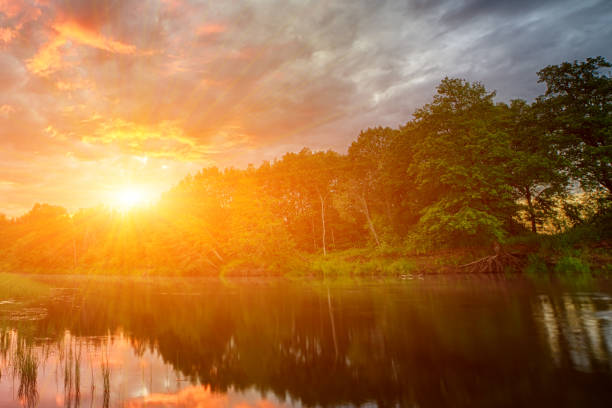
(19, 286)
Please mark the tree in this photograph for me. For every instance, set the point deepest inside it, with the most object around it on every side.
(536, 167)
(308, 179)
(258, 238)
(460, 165)
(578, 113)
(367, 178)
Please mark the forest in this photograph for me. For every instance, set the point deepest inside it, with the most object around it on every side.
(463, 174)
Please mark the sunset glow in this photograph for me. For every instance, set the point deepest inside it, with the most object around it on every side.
(88, 86)
(287, 204)
(130, 196)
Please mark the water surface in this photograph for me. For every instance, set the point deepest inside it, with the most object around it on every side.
(472, 341)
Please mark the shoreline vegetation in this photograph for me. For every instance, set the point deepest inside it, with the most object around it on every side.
(466, 185)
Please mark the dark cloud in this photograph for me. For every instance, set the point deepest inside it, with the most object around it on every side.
(461, 12)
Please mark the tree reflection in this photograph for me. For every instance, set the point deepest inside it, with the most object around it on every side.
(578, 329)
(460, 343)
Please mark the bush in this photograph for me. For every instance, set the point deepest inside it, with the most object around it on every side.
(535, 265)
(401, 267)
(570, 264)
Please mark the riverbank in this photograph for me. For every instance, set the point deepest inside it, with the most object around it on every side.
(578, 251)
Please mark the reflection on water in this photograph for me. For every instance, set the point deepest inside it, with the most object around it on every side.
(103, 372)
(201, 343)
(580, 326)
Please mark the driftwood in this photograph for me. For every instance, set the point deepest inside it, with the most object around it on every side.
(498, 263)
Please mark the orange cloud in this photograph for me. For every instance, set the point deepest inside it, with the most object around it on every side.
(6, 111)
(49, 58)
(84, 36)
(7, 34)
(213, 28)
(163, 139)
(74, 85)
(172, 4)
(10, 8)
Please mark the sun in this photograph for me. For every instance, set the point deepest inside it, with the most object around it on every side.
(128, 197)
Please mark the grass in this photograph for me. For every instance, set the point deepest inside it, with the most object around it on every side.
(106, 385)
(572, 264)
(360, 262)
(582, 250)
(19, 286)
(27, 367)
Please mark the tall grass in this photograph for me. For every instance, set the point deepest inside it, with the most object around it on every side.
(26, 365)
(17, 286)
(361, 262)
(105, 384)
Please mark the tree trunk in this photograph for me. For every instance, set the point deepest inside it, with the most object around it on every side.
(74, 246)
(314, 236)
(74, 252)
(366, 211)
(388, 211)
(323, 223)
(531, 210)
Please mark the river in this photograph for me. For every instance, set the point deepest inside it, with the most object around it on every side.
(468, 341)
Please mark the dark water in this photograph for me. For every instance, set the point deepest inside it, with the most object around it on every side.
(443, 341)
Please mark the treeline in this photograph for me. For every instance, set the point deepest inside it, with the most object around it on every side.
(464, 171)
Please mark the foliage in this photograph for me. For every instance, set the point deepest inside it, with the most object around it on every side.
(460, 165)
(537, 172)
(535, 265)
(578, 110)
(571, 263)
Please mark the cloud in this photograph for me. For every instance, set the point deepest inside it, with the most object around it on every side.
(7, 34)
(6, 110)
(190, 83)
(163, 139)
(14, 14)
(211, 28)
(10, 8)
(73, 31)
(49, 58)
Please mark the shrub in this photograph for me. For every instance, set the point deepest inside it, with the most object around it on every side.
(570, 264)
(535, 265)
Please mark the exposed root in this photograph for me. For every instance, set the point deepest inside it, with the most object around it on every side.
(498, 263)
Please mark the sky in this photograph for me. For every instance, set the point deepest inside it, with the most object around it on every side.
(98, 95)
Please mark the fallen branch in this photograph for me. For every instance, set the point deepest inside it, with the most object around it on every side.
(498, 263)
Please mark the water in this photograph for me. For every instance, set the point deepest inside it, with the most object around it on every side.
(441, 341)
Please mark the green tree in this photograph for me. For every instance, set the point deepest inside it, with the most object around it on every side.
(460, 165)
(578, 112)
(366, 174)
(536, 168)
